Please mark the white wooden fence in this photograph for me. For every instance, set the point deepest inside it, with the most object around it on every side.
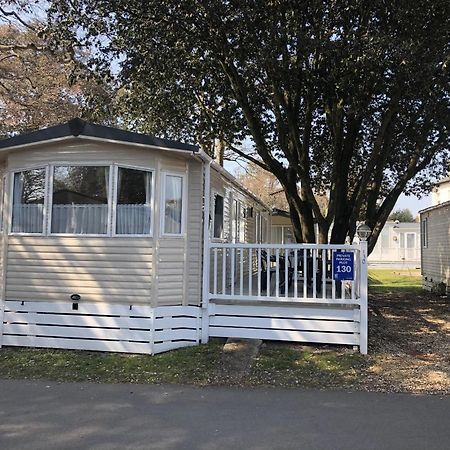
(286, 292)
(100, 326)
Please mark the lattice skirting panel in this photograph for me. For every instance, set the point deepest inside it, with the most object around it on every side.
(320, 324)
(100, 326)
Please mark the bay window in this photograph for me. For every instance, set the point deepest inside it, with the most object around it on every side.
(97, 200)
(134, 193)
(173, 204)
(28, 201)
(80, 202)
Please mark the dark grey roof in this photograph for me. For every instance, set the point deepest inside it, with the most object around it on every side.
(280, 212)
(78, 127)
(432, 208)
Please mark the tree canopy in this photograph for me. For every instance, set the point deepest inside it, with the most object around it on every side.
(349, 98)
(402, 215)
(39, 85)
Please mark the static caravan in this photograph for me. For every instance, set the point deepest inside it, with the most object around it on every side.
(102, 237)
(435, 242)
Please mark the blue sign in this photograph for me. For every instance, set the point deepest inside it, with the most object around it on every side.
(343, 266)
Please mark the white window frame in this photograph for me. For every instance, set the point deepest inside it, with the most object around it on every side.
(11, 175)
(114, 200)
(50, 197)
(213, 218)
(424, 232)
(184, 197)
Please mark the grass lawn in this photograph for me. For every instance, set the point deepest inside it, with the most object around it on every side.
(189, 365)
(385, 281)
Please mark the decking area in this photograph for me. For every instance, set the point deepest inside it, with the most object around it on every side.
(287, 292)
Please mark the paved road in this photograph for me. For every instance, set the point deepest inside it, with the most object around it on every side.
(40, 415)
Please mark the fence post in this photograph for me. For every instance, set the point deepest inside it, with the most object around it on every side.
(206, 254)
(2, 314)
(363, 306)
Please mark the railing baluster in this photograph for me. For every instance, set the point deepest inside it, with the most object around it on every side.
(333, 282)
(250, 271)
(268, 273)
(232, 269)
(224, 271)
(355, 276)
(286, 269)
(295, 273)
(305, 273)
(259, 267)
(324, 273)
(314, 274)
(215, 271)
(277, 272)
(241, 278)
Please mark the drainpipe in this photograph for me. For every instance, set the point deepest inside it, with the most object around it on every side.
(206, 255)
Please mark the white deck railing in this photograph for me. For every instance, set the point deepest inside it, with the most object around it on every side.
(281, 272)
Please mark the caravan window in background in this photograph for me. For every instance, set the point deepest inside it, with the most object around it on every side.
(28, 201)
(424, 232)
(218, 216)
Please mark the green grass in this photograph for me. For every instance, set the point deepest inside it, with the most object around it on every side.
(384, 281)
(283, 364)
(193, 365)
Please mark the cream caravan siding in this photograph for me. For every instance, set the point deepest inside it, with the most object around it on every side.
(113, 269)
(194, 256)
(2, 217)
(436, 256)
(99, 269)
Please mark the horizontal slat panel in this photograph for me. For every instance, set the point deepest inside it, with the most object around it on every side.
(172, 335)
(283, 324)
(176, 322)
(279, 311)
(83, 308)
(78, 344)
(78, 332)
(77, 320)
(285, 335)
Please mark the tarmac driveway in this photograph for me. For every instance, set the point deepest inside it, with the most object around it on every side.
(47, 415)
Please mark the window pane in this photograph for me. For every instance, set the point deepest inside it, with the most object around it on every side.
(134, 193)
(218, 216)
(173, 204)
(28, 201)
(80, 200)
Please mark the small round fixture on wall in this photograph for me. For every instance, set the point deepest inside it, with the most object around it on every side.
(363, 231)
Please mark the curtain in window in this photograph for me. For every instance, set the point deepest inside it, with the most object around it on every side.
(80, 200)
(173, 204)
(133, 201)
(28, 201)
